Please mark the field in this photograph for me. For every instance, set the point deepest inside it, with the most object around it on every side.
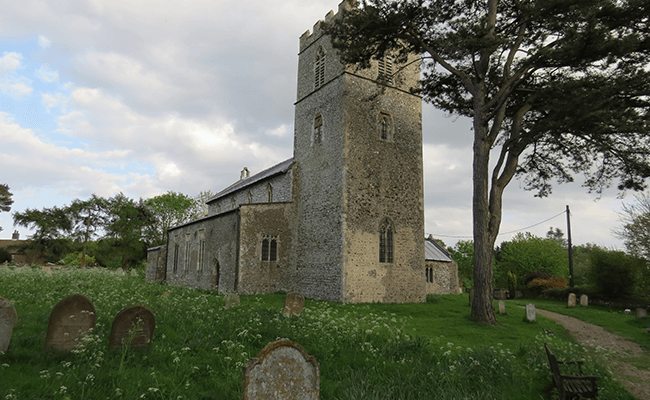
(365, 351)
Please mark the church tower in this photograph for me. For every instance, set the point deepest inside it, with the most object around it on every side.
(358, 233)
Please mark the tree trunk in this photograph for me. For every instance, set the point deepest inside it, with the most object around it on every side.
(484, 237)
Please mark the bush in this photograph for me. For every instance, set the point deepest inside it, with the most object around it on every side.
(536, 275)
(613, 273)
(4, 256)
(74, 260)
(552, 283)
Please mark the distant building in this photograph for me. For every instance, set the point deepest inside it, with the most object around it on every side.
(343, 219)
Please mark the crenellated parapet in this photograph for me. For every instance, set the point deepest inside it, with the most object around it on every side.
(308, 38)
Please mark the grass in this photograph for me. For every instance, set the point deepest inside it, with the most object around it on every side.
(366, 351)
(624, 325)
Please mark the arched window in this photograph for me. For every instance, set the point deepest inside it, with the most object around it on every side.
(273, 251)
(386, 242)
(318, 129)
(270, 248)
(319, 68)
(385, 126)
(269, 193)
(385, 70)
(265, 249)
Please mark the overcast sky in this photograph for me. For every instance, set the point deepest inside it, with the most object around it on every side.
(144, 97)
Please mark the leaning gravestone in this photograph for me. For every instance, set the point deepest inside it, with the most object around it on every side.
(502, 307)
(69, 319)
(584, 300)
(7, 322)
(132, 327)
(530, 313)
(232, 300)
(293, 304)
(282, 370)
(572, 300)
(640, 313)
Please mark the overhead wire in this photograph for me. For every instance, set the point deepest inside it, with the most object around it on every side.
(505, 233)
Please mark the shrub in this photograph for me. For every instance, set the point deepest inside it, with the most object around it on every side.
(551, 283)
(613, 273)
(74, 260)
(536, 275)
(4, 256)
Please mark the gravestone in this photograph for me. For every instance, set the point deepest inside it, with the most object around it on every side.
(584, 300)
(530, 313)
(502, 307)
(47, 270)
(640, 313)
(572, 300)
(134, 272)
(500, 294)
(132, 327)
(293, 304)
(232, 300)
(69, 319)
(7, 322)
(282, 370)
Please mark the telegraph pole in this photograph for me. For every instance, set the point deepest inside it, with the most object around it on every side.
(568, 229)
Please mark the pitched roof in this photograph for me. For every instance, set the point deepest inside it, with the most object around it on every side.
(243, 183)
(434, 252)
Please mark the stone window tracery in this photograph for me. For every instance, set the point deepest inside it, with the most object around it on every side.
(318, 129)
(270, 248)
(385, 126)
(386, 242)
(269, 193)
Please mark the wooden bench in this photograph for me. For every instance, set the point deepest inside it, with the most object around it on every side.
(571, 386)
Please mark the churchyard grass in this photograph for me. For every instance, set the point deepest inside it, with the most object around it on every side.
(365, 351)
(613, 320)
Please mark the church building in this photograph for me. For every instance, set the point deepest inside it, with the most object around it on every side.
(343, 220)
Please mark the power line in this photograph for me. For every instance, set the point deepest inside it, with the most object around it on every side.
(504, 233)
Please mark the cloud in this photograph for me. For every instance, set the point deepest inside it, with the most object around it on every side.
(44, 42)
(46, 74)
(11, 84)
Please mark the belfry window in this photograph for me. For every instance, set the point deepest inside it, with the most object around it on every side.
(385, 70)
(270, 249)
(318, 129)
(319, 68)
(386, 243)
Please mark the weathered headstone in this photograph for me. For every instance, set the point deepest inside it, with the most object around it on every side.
(132, 327)
(584, 300)
(572, 300)
(134, 272)
(232, 300)
(502, 307)
(47, 270)
(7, 322)
(530, 313)
(282, 370)
(293, 304)
(640, 313)
(500, 294)
(69, 319)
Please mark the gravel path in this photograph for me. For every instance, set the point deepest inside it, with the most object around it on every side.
(636, 381)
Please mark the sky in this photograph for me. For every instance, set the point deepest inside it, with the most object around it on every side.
(110, 96)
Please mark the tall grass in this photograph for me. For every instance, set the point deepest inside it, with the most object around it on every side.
(366, 351)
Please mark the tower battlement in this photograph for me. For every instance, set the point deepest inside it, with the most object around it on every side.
(308, 37)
